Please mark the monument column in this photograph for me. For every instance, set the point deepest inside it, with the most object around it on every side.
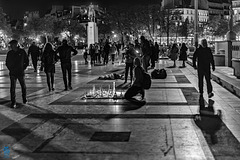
(92, 29)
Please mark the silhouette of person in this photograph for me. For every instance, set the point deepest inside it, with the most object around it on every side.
(16, 62)
(49, 59)
(34, 51)
(207, 120)
(204, 58)
(65, 54)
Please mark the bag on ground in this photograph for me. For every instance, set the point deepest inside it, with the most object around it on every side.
(159, 74)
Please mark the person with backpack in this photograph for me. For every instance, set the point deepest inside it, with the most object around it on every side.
(65, 54)
(137, 86)
(49, 58)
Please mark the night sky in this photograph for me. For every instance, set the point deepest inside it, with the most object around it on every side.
(16, 8)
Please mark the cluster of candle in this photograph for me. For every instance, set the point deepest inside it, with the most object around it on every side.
(110, 92)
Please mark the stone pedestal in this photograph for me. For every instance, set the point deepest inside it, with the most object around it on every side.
(92, 33)
(236, 66)
(219, 59)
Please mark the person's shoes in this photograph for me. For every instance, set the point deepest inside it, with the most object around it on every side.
(125, 81)
(65, 89)
(25, 101)
(70, 87)
(35, 70)
(210, 95)
(14, 105)
(53, 89)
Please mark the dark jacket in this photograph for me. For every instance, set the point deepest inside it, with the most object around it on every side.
(204, 58)
(65, 53)
(34, 51)
(17, 62)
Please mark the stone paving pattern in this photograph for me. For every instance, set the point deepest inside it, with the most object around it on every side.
(60, 125)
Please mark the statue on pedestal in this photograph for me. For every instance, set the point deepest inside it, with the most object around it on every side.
(91, 13)
(231, 35)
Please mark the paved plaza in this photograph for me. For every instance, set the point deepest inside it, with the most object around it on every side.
(61, 125)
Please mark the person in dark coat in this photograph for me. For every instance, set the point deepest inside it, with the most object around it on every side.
(16, 62)
(204, 58)
(106, 50)
(65, 54)
(49, 58)
(183, 54)
(129, 57)
(34, 51)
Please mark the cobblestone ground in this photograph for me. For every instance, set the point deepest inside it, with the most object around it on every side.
(61, 125)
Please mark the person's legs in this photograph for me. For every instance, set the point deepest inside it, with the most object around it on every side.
(131, 71)
(13, 80)
(174, 63)
(48, 80)
(183, 63)
(21, 80)
(34, 61)
(131, 92)
(126, 72)
(52, 80)
(145, 63)
(64, 72)
(69, 70)
(208, 80)
(200, 81)
(152, 62)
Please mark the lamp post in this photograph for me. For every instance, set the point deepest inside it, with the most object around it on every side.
(196, 24)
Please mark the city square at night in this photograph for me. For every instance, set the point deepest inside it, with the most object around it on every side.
(120, 80)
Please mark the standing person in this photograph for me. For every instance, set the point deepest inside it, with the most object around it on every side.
(49, 58)
(153, 54)
(183, 54)
(138, 81)
(157, 50)
(16, 62)
(130, 55)
(113, 52)
(65, 54)
(34, 51)
(146, 52)
(106, 49)
(204, 58)
(92, 53)
(85, 55)
(174, 54)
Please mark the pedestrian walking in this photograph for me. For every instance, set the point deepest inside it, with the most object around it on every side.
(34, 51)
(204, 58)
(92, 53)
(129, 57)
(138, 82)
(16, 62)
(174, 54)
(65, 54)
(183, 54)
(49, 58)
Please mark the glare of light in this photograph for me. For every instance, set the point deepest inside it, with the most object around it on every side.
(114, 35)
(25, 24)
(113, 32)
(37, 39)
